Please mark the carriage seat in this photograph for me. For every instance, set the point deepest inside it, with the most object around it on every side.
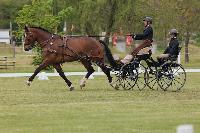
(174, 57)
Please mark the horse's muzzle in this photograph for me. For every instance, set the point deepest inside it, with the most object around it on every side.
(27, 48)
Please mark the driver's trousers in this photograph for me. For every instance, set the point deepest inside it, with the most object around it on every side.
(146, 43)
(139, 50)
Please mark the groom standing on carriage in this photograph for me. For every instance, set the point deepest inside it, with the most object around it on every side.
(145, 47)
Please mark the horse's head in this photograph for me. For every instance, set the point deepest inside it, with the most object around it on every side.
(29, 39)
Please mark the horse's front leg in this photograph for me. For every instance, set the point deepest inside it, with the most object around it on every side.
(61, 73)
(41, 66)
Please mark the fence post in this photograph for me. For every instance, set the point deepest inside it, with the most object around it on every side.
(179, 58)
(23, 44)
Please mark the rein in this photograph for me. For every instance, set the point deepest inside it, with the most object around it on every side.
(84, 36)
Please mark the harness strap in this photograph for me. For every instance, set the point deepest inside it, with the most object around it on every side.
(45, 42)
(66, 39)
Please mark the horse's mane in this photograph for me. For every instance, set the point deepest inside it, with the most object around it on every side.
(40, 28)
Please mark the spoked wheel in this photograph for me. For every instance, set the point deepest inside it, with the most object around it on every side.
(151, 78)
(116, 80)
(128, 75)
(172, 77)
(164, 80)
(141, 84)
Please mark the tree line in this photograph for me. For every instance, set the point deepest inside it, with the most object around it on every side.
(110, 16)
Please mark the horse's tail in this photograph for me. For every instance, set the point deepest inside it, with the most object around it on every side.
(109, 54)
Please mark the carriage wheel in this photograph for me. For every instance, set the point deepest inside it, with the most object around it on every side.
(116, 80)
(172, 77)
(164, 81)
(141, 84)
(151, 78)
(179, 77)
(128, 76)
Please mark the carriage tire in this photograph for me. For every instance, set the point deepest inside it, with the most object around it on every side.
(174, 77)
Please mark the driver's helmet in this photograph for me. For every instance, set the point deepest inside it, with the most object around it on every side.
(173, 32)
(148, 19)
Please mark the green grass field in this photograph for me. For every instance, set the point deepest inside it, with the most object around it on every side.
(48, 107)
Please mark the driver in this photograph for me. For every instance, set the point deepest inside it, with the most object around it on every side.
(145, 46)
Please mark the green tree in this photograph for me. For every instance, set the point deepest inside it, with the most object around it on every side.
(189, 17)
(8, 11)
(40, 13)
(166, 17)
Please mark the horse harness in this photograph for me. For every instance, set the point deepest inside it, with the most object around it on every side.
(64, 46)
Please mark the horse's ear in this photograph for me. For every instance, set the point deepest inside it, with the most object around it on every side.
(26, 28)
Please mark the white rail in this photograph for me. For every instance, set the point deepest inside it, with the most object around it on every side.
(70, 73)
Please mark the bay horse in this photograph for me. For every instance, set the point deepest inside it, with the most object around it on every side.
(57, 50)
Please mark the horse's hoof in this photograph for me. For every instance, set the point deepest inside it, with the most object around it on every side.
(82, 86)
(71, 88)
(28, 83)
(82, 83)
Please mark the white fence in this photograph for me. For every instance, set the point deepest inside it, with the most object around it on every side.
(5, 36)
(70, 73)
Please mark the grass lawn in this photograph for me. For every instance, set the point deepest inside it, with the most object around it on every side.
(48, 107)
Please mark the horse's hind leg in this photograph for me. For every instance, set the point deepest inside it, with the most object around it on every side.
(90, 69)
(105, 70)
(61, 73)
